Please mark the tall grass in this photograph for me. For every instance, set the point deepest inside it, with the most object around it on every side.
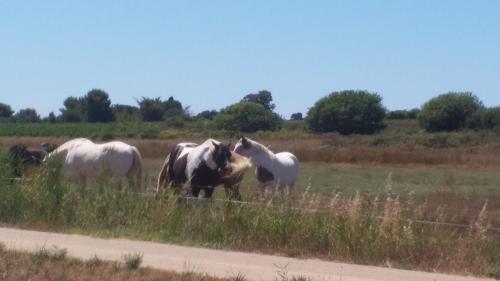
(379, 231)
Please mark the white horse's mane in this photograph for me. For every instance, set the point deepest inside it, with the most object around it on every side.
(260, 146)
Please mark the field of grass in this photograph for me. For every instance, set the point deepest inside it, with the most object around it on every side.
(52, 264)
(325, 148)
(356, 227)
(361, 199)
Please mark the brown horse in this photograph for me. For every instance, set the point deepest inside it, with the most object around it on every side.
(23, 156)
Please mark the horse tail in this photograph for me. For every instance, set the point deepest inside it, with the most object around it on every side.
(171, 160)
(163, 176)
(136, 168)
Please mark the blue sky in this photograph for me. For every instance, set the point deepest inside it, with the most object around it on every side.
(209, 54)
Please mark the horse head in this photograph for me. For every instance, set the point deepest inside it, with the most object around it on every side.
(244, 147)
(222, 157)
(48, 147)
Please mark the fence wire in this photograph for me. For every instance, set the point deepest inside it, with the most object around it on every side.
(495, 230)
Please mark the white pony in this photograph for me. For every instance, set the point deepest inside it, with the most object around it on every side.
(272, 170)
(84, 159)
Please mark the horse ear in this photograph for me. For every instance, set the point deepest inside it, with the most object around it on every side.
(229, 144)
(215, 145)
(245, 142)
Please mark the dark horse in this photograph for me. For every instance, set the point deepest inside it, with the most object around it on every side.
(23, 156)
(202, 167)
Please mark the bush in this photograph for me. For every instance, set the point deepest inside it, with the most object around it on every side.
(448, 112)
(5, 111)
(247, 117)
(133, 261)
(488, 118)
(347, 112)
(27, 115)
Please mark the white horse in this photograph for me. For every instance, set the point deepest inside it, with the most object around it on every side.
(84, 159)
(273, 171)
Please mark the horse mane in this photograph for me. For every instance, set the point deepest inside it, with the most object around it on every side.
(239, 166)
(239, 163)
(209, 143)
(260, 146)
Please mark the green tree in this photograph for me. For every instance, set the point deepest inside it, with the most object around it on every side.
(173, 108)
(28, 115)
(74, 110)
(157, 110)
(98, 106)
(151, 109)
(448, 112)
(51, 118)
(296, 116)
(486, 118)
(126, 113)
(247, 117)
(207, 114)
(5, 111)
(263, 98)
(347, 112)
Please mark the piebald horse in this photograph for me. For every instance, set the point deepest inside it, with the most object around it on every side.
(203, 167)
(83, 159)
(272, 170)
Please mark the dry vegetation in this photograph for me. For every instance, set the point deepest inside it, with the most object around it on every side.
(330, 149)
(44, 266)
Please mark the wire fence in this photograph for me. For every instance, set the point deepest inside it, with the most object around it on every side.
(494, 230)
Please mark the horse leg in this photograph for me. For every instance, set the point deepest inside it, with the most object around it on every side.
(208, 192)
(262, 189)
(275, 187)
(83, 183)
(195, 191)
(120, 185)
(290, 187)
(233, 191)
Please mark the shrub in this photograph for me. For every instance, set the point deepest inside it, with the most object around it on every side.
(28, 115)
(133, 261)
(448, 112)
(94, 262)
(5, 111)
(247, 117)
(347, 112)
(488, 118)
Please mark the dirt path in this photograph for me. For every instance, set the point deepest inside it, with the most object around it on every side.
(214, 262)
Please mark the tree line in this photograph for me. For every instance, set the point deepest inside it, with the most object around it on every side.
(346, 112)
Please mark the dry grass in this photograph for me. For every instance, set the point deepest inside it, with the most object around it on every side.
(16, 266)
(327, 148)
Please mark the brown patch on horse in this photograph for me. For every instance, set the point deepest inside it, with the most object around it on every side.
(264, 175)
(179, 170)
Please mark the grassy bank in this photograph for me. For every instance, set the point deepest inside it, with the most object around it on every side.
(366, 230)
(52, 264)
